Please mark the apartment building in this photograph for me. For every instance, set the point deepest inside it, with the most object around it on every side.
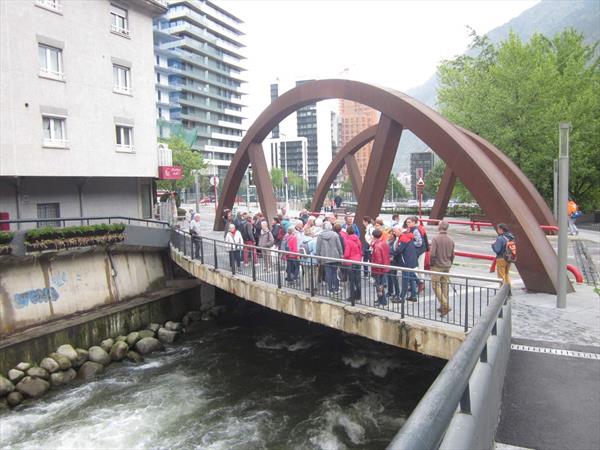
(78, 124)
(199, 74)
(354, 118)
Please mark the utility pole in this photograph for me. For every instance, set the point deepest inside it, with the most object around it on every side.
(555, 187)
(563, 197)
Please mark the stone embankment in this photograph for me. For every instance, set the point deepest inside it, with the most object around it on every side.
(28, 380)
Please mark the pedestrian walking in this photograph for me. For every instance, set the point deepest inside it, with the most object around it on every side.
(505, 248)
(308, 248)
(408, 256)
(572, 214)
(266, 242)
(441, 259)
(234, 238)
(247, 232)
(290, 244)
(329, 245)
(396, 260)
(353, 253)
(277, 231)
(421, 244)
(380, 255)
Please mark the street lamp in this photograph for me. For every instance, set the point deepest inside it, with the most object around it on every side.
(287, 203)
(420, 186)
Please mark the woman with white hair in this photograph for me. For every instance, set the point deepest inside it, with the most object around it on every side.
(266, 241)
(234, 237)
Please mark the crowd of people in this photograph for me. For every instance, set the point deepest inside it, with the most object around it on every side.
(398, 245)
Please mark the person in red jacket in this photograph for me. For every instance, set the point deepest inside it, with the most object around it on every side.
(380, 255)
(292, 265)
(353, 252)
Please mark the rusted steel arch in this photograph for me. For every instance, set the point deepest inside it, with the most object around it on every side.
(489, 185)
(522, 184)
(341, 158)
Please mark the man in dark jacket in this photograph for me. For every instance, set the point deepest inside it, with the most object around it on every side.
(408, 254)
(499, 247)
(247, 232)
(442, 257)
(329, 245)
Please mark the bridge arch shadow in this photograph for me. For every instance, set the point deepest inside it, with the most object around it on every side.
(500, 188)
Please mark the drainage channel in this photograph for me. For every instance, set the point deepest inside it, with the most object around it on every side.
(555, 352)
(586, 264)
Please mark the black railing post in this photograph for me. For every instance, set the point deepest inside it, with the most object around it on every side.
(232, 259)
(201, 250)
(279, 270)
(215, 253)
(465, 401)
(466, 305)
(254, 267)
(311, 274)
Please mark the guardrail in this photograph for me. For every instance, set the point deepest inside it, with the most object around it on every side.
(430, 424)
(356, 282)
(62, 221)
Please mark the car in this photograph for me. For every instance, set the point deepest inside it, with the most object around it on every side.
(412, 203)
(206, 200)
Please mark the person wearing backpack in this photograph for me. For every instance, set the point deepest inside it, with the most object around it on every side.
(421, 244)
(572, 214)
(308, 248)
(277, 231)
(506, 252)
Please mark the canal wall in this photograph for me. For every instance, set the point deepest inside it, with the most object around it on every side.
(38, 288)
(89, 328)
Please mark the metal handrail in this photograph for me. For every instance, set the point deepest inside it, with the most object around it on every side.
(426, 426)
(87, 219)
(362, 263)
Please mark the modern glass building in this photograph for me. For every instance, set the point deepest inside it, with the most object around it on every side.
(199, 58)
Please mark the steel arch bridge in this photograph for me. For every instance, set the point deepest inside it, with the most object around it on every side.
(499, 186)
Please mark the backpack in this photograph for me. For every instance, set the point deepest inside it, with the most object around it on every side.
(279, 233)
(423, 232)
(510, 251)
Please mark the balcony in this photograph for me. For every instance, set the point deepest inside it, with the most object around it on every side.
(55, 143)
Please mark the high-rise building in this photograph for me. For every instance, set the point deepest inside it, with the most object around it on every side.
(421, 164)
(206, 75)
(290, 153)
(354, 118)
(77, 122)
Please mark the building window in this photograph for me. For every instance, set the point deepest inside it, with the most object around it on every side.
(52, 5)
(121, 79)
(119, 23)
(124, 138)
(55, 131)
(50, 62)
(48, 211)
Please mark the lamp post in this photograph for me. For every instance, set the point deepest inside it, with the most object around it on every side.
(285, 177)
(420, 186)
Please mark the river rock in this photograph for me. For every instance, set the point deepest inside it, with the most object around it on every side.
(118, 352)
(173, 326)
(121, 338)
(64, 363)
(135, 357)
(132, 338)
(191, 316)
(6, 386)
(38, 372)
(167, 336)
(107, 344)
(63, 377)
(23, 366)
(14, 399)
(148, 345)
(15, 375)
(194, 327)
(98, 355)
(50, 365)
(146, 333)
(89, 370)
(68, 351)
(216, 311)
(33, 387)
(82, 356)
(154, 327)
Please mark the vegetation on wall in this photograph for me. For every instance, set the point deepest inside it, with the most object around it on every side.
(50, 238)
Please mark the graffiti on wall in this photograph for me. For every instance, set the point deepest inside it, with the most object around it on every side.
(59, 279)
(36, 296)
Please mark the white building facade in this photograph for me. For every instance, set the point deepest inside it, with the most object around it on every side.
(78, 122)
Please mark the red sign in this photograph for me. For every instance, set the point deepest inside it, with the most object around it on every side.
(170, 172)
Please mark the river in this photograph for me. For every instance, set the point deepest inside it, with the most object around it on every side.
(253, 379)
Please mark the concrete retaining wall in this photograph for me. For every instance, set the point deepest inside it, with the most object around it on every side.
(427, 337)
(36, 289)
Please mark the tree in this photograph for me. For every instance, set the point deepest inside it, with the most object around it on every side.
(515, 94)
(347, 186)
(434, 178)
(395, 189)
(188, 159)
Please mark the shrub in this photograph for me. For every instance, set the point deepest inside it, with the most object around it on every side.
(49, 233)
(6, 237)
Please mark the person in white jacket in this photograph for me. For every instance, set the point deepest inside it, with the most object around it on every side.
(234, 237)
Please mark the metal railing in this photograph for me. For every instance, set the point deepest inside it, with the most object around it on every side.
(429, 421)
(358, 283)
(75, 221)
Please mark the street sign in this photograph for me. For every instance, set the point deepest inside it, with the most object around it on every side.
(214, 181)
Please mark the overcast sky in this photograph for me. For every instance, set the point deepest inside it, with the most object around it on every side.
(393, 43)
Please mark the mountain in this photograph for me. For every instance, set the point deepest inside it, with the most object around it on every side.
(547, 17)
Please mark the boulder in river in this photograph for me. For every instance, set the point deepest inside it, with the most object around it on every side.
(64, 363)
(191, 316)
(134, 357)
(121, 338)
(6, 386)
(14, 399)
(15, 375)
(98, 355)
(107, 344)
(68, 351)
(33, 387)
(23, 366)
(167, 336)
(154, 327)
(50, 365)
(89, 369)
(132, 338)
(62, 377)
(148, 345)
(38, 372)
(82, 356)
(119, 351)
(146, 333)
(173, 326)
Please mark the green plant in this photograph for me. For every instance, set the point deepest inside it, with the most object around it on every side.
(49, 233)
(6, 237)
